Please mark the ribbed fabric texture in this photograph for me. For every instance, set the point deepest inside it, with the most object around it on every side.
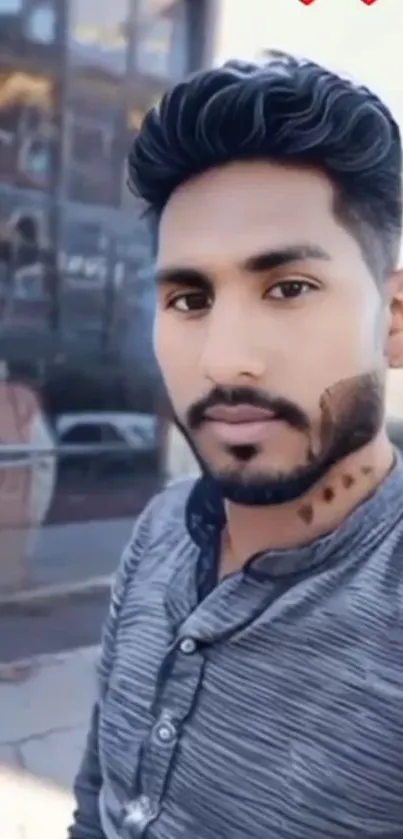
(270, 709)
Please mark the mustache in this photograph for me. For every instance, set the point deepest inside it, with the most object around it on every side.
(231, 397)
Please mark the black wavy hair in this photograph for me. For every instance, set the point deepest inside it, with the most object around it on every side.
(288, 110)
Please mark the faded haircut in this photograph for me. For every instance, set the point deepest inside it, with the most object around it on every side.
(286, 110)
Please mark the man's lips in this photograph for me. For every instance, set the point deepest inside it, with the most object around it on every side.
(240, 425)
(237, 414)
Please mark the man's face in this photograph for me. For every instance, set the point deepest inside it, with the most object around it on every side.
(270, 331)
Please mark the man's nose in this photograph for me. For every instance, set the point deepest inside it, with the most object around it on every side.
(231, 353)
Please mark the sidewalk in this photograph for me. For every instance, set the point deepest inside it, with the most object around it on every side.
(44, 712)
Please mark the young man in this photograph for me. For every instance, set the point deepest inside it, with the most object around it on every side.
(251, 682)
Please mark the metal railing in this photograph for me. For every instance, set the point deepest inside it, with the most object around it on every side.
(28, 452)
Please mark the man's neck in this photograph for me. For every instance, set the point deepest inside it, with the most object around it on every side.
(251, 530)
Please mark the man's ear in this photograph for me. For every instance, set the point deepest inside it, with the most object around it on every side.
(394, 346)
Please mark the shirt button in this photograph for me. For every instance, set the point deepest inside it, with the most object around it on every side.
(188, 646)
(137, 814)
(165, 732)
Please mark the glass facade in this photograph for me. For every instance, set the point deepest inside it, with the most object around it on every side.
(81, 435)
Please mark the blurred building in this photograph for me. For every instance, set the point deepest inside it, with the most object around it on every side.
(76, 292)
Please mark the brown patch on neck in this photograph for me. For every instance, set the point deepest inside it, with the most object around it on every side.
(367, 470)
(328, 494)
(306, 513)
(348, 481)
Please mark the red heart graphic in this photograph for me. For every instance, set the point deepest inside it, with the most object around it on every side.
(368, 2)
(308, 2)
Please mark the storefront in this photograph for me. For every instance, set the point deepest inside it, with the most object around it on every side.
(76, 297)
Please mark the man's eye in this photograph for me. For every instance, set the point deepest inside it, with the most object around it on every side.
(194, 301)
(290, 289)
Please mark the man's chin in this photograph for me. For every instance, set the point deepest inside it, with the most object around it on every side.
(264, 489)
(241, 479)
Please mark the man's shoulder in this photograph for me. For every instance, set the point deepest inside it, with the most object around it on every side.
(166, 512)
(179, 489)
(156, 535)
(172, 500)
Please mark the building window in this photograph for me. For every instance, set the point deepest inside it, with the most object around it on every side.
(95, 123)
(10, 7)
(162, 40)
(32, 22)
(28, 134)
(99, 40)
(40, 23)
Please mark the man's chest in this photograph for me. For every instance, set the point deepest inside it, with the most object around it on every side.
(292, 722)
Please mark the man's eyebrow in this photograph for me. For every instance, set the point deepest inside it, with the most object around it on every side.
(269, 260)
(265, 261)
(185, 277)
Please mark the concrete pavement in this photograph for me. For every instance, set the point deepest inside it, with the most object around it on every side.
(53, 623)
(44, 711)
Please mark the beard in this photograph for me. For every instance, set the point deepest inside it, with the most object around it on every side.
(351, 416)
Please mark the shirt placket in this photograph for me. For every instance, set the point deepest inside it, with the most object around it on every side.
(230, 607)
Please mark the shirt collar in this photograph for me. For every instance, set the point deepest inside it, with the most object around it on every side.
(205, 512)
(362, 531)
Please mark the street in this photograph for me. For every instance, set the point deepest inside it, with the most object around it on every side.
(44, 711)
(48, 651)
(52, 625)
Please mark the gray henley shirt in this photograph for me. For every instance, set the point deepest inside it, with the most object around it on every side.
(266, 706)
